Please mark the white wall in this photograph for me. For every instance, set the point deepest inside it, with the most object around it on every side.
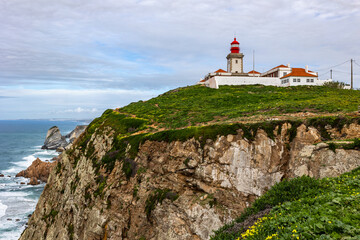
(217, 81)
(303, 81)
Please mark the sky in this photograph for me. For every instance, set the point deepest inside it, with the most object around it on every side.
(74, 59)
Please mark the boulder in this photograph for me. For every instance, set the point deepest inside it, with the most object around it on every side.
(38, 170)
(76, 132)
(54, 139)
(33, 181)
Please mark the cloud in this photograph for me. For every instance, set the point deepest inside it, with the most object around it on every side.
(66, 103)
(81, 110)
(149, 45)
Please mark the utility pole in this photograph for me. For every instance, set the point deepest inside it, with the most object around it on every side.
(331, 74)
(352, 78)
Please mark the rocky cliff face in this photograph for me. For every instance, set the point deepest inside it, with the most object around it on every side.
(179, 190)
(54, 139)
(76, 132)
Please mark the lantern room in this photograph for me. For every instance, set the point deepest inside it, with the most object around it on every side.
(235, 46)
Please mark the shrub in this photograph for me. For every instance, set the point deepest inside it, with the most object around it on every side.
(157, 197)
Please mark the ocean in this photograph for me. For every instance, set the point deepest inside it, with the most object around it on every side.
(20, 145)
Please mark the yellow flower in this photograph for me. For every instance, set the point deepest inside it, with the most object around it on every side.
(294, 231)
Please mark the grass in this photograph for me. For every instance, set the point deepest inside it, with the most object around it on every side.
(304, 208)
(197, 104)
(190, 107)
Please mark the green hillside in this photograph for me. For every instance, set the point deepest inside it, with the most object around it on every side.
(205, 113)
(198, 104)
(302, 208)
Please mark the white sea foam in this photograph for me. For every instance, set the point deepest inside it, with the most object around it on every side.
(14, 194)
(42, 154)
(10, 170)
(45, 152)
(28, 160)
(2, 209)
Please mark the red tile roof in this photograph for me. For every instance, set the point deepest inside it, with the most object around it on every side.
(299, 72)
(220, 71)
(202, 80)
(253, 71)
(280, 66)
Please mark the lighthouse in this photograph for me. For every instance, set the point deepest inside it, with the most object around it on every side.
(235, 59)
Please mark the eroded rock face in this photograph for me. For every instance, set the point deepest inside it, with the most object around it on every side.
(37, 171)
(79, 129)
(214, 184)
(54, 139)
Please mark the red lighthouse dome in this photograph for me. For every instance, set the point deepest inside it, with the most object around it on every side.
(235, 46)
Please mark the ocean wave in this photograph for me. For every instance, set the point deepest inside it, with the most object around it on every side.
(11, 170)
(42, 154)
(45, 152)
(14, 194)
(3, 208)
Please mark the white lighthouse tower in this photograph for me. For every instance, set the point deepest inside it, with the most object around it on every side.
(235, 59)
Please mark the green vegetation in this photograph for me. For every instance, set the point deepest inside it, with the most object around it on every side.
(345, 144)
(157, 197)
(180, 114)
(52, 214)
(197, 104)
(71, 231)
(58, 167)
(339, 85)
(135, 190)
(332, 147)
(304, 208)
(101, 180)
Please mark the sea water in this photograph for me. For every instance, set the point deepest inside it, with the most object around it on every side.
(20, 145)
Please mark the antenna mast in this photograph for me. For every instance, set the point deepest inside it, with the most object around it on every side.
(253, 61)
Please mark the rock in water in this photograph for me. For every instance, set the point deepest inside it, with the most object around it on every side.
(33, 181)
(76, 132)
(38, 170)
(54, 139)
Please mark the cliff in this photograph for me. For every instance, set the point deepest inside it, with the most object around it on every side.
(178, 189)
(193, 159)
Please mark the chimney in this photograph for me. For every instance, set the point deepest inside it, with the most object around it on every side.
(288, 65)
(306, 68)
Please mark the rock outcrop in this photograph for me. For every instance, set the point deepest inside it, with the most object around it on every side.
(38, 171)
(79, 129)
(54, 139)
(176, 190)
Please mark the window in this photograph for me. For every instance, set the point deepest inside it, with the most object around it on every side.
(236, 61)
(298, 80)
(284, 73)
(307, 80)
(312, 80)
(294, 80)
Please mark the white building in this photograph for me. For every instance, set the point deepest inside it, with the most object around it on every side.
(282, 75)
